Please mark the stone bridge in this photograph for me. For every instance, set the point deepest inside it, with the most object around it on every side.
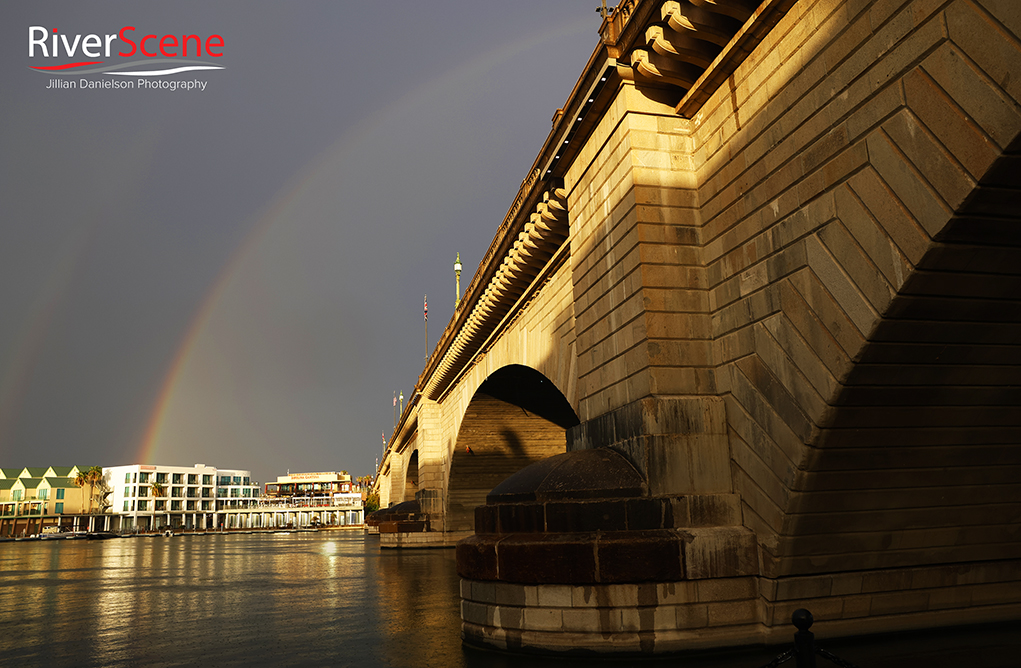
(762, 287)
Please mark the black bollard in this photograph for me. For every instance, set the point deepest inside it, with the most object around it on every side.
(804, 640)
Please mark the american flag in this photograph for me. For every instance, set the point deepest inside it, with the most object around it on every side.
(395, 398)
(426, 308)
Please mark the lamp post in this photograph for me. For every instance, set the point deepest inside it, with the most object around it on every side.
(457, 274)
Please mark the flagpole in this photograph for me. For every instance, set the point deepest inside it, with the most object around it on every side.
(425, 314)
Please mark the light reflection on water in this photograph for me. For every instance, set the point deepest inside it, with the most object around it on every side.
(284, 599)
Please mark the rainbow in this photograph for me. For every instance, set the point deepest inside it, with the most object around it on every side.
(347, 145)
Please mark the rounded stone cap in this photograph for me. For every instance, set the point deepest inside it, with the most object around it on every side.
(599, 473)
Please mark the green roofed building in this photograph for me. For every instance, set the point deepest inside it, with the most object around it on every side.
(46, 499)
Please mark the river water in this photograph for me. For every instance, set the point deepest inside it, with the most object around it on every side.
(305, 599)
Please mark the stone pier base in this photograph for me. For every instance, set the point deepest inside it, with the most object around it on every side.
(663, 617)
(611, 619)
(421, 539)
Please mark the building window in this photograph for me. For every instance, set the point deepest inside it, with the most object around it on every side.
(60, 493)
(143, 491)
(58, 508)
(143, 505)
(175, 505)
(161, 505)
(127, 477)
(127, 505)
(177, 478)
(206, 505)
(43, 494)
(161, 478)
(177, 491)
(248, 481)
(143, 477)
(225, 480)
(207, 480)
(222, 491)
(193, 479)
(191, 505)
(207, 492)
(127, 491)
(16, 495)
(237, 480)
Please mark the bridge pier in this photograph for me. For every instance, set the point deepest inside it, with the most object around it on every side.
(574, 554)
(583, 552)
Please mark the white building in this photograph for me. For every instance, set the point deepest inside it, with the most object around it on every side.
(146, 497)
(234, 489)
(322, 499)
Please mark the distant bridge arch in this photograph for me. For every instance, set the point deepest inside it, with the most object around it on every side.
(411, 477)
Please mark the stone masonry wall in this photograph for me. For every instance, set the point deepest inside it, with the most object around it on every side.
(858, 189)
(639, 283)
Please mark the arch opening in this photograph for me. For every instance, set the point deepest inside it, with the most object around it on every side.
(516, 417)
(411, 477)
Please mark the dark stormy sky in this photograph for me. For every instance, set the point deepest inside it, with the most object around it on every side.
(235, 276)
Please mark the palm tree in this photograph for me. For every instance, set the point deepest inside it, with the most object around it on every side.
(81, 479)
(158, 490)
(95, 476)
(91, 476)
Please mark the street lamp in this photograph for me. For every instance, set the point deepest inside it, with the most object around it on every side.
(457, 273)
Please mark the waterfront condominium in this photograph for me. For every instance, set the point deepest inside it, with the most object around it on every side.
(146, 497)
(37, 498)
(234, 489)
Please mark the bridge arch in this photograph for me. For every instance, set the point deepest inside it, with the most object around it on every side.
(411, 477)
(516, 417)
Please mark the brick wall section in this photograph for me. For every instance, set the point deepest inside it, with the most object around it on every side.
(857, 183)
(639, 285)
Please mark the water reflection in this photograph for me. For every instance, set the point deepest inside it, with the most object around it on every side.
(288, 599)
